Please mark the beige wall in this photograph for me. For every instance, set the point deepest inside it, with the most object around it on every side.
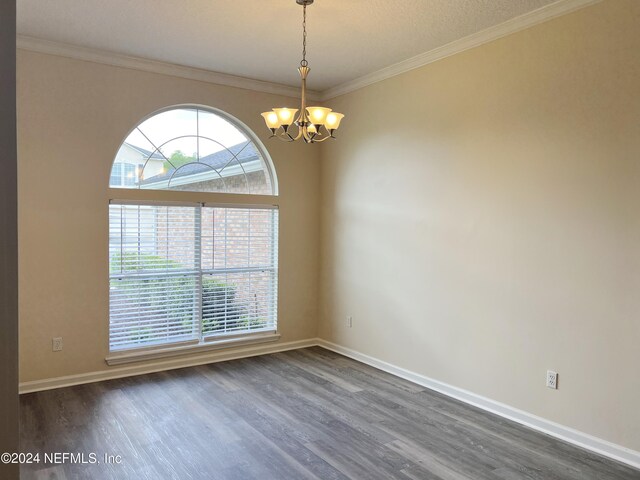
(481, 221)
(72, 118)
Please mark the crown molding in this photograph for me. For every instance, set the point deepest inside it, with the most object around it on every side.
(104, 57)
(516, 24)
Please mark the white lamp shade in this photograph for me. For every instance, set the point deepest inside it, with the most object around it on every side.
(333, 120)
(318, 115)
(286, 115)
(271, 119)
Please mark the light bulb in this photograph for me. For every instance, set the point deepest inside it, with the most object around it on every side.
(312, 129)
(333, 120)
(271, 119)
(318, 115)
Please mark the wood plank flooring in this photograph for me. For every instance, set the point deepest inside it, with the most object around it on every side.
(304, 414)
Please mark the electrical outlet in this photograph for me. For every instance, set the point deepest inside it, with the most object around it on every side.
(349, 321)
(56, 344)
(552, 379)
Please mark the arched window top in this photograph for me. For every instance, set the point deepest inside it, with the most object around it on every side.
(193, 149)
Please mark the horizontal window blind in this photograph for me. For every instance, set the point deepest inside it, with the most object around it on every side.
(190, 273)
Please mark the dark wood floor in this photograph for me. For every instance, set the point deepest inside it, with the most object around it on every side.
(305, 414)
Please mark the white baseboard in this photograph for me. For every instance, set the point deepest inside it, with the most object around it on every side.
(158, 366)
(575, 437)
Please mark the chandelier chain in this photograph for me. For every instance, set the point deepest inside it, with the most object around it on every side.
(304, 62)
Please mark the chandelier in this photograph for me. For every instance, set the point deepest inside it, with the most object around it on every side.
(313, 124)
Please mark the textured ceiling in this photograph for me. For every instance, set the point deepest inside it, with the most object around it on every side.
(260, 39)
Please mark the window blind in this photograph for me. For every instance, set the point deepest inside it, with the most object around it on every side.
(190, 273)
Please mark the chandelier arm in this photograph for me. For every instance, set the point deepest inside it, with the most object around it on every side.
(323, 133)
(287, 137)
(328, 133)
(323, 139)
(284, 139)
(297, 137)
(320, 137)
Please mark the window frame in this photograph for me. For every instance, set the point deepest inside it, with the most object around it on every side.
(135, 196)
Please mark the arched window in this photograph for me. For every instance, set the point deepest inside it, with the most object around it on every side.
(194, 150)
(185, 275)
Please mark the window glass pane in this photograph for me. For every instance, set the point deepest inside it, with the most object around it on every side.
(197, 177)
(238, 302)
(188, 273)
(214, 127)
(155, 153)
(208, 148)
(138, 141)
(137, 158)
(171, 124)
(156, 310)
(154, 280)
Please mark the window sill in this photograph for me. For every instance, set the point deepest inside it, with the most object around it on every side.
(176, 350)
